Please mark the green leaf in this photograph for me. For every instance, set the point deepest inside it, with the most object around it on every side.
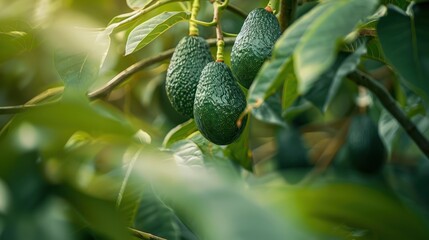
(270, 111)
(404, 39)
(290, 89)
(138, 4)
(278, 68)
(374, 51)
(400, 3)
(148, 31)
(326, 87)
(122, 17)
(78, 71)
(317, 48)
(375, 213)
(156, 217)
(180, 132)
(187, 153)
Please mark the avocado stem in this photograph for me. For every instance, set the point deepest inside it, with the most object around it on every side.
(217, 10)
(272, 6)
(193, 27)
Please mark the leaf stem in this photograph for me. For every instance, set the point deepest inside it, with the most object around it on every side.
(287, 13)
(391, 105)
(217, 11)
(272, 6)
(193, 28)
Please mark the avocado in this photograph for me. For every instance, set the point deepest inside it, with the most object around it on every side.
(189, 58)
(366, 151)
(253, 45)
(219, 102)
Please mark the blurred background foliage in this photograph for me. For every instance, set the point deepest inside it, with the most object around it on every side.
(121, 166)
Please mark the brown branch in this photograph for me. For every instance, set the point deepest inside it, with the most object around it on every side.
(128, 72)
(143, 235)
(287, 13)
(390, 104)
(114, 82)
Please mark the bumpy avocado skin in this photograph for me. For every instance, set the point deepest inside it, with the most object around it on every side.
(189, 58)
(253, 45)
(219, 101)
(366, 151)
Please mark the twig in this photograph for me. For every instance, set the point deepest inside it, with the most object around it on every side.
(390, 104)
(143, 235)
(287, 13)
(128, 72)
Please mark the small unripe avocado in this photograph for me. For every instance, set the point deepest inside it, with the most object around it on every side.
(219, 102)
(189, 58)
(366, 151)
(253, 45)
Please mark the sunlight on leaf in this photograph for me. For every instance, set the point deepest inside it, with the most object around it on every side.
(148, 31)
(317, 49)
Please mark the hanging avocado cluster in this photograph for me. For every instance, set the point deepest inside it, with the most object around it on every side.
(205, 90)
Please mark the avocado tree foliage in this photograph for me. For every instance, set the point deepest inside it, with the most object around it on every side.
(330, 140)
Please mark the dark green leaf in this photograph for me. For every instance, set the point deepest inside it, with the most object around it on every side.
(400, 3)
(326, 87)
(270, 111)
(317, 48)
(404, 39)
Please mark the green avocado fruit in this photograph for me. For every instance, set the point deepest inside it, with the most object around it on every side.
(253, 45)
(191, 55)
(219, 102)
(366, 151)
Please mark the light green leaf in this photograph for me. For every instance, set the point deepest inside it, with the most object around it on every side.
(180, 132)
(375, 213)
(404, 39)
(138, 4)
(290, 88)
(78, 71)
(317, 48)
(187, 153)
(326, 87)
(148, 31)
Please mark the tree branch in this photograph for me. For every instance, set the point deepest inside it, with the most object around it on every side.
(109, 86)
(390, 104)
(128, 72)
(287, 13)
